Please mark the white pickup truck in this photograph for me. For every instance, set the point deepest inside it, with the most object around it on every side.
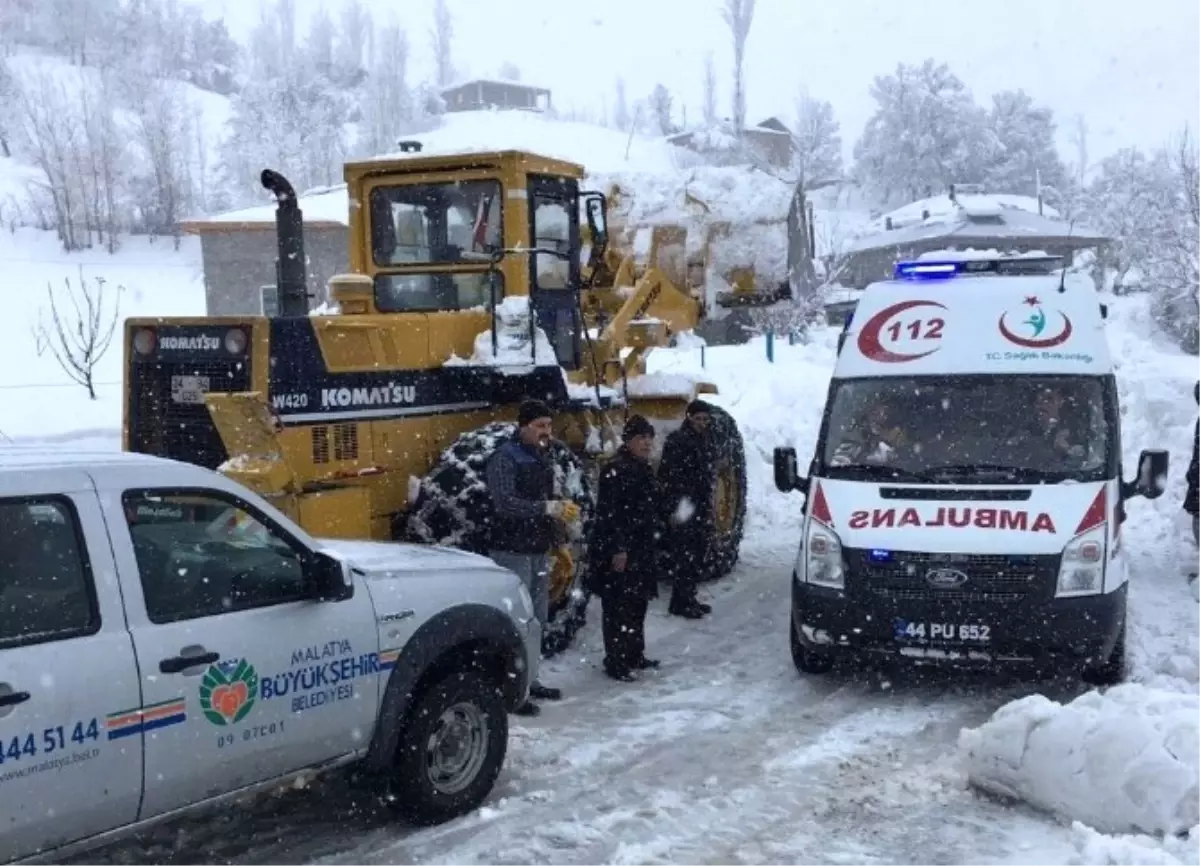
(169, 640)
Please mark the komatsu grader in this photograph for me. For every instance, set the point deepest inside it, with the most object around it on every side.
(477, 280)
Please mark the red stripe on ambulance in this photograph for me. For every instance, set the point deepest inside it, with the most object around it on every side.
(954, 518)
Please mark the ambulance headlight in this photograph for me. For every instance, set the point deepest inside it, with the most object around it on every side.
(1082, 568)
(823, 563)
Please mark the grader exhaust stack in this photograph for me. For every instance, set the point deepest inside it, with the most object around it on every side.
(291, 279)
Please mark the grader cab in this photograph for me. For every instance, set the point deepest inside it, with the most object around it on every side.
(476, 281)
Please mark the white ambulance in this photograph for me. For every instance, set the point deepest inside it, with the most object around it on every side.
(965, 500)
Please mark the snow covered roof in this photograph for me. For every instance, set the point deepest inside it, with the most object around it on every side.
(975, 218)
(498, 82)
(596, 148)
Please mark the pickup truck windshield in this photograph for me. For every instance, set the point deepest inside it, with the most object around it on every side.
(982, 429)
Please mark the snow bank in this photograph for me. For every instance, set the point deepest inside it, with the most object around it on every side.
(145, 278)
(1094, 848)
(1122, 761)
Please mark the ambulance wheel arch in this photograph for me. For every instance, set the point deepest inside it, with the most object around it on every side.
(477, 646)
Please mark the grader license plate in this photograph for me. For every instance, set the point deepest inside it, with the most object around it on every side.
(189, 390)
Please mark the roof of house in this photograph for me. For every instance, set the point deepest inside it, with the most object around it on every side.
(499, 82)
(972, 218)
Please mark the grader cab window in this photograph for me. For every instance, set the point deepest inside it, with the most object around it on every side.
(400, 293)
(435, 223)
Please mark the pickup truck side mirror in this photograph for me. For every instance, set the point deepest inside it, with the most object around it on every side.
(1151, 478)
(787, 476)
(332, 578)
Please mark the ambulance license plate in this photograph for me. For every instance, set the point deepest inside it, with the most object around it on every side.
(189, 390)
(907, 630)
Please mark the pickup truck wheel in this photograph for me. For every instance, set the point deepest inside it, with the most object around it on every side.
(451, 749)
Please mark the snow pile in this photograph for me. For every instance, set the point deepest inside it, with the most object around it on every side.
(1122, 761)
(1132, 850)
(596, 148)
(774, 404)
(940, 209)
(513, 353)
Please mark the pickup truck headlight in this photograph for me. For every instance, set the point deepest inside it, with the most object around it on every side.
(823, 563)
(1082, 568)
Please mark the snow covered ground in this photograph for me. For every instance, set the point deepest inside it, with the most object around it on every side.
(726, 754)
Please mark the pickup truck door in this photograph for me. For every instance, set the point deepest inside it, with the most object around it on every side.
(223, 619)
(69, 700)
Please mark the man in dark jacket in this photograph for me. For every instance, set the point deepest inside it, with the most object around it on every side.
(1191, 499)
(622, 549)
(520, 479)
(686, 475)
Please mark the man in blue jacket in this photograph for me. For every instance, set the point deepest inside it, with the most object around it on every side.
(520, 479)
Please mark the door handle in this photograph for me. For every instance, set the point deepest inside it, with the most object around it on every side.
(175, 664)
(13, 698)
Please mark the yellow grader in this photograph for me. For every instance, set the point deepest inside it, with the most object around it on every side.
(477, 280)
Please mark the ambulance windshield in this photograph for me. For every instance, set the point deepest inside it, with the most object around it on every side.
(981, 429)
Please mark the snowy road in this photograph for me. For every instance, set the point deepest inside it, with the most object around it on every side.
(725, 755)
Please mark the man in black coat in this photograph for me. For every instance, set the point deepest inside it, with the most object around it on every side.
(686, 475)
(623, 547)
(1191, 499)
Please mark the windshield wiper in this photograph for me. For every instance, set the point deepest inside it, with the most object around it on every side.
(882, 472)
(1015, 474)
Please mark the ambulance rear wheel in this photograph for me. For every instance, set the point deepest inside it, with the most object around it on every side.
(807, 661)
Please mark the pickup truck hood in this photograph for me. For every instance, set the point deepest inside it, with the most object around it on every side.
(1024, 519)
(378, 559)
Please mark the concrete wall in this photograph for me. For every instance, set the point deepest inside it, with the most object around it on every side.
(237, 264)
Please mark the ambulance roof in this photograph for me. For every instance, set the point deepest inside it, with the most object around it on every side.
(964, 317)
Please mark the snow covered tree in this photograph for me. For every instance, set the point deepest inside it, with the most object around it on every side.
(353, 38)
(1174, 268)
(659, 105)
(441, 39)
(1126, 202)
(161, 183)
(816, 143)
(509, 71)
(739, 16)
(1025, 149)
(621, 117)
(388, 110)
(926, 133)
(319, 43)
(709, 105)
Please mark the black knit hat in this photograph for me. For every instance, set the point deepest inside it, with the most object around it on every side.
(697, 407)
(531, 410)
(636, 426)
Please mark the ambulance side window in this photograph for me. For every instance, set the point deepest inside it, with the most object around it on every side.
(46, 587)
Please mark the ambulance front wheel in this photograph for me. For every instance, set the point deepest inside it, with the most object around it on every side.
(806, 659)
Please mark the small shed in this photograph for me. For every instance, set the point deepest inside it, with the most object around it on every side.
(239, 250)
(976, 220)
(483, 94)
(770, 140)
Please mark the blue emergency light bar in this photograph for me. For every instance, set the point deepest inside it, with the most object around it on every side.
(932, 269)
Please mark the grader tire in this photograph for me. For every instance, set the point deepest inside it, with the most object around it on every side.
(453, 509)
(729, 494)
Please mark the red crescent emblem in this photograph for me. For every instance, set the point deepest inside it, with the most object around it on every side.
(1048, 343)
(868, 338)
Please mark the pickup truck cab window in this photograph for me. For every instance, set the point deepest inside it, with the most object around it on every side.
(202, 553)
(46, 591)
